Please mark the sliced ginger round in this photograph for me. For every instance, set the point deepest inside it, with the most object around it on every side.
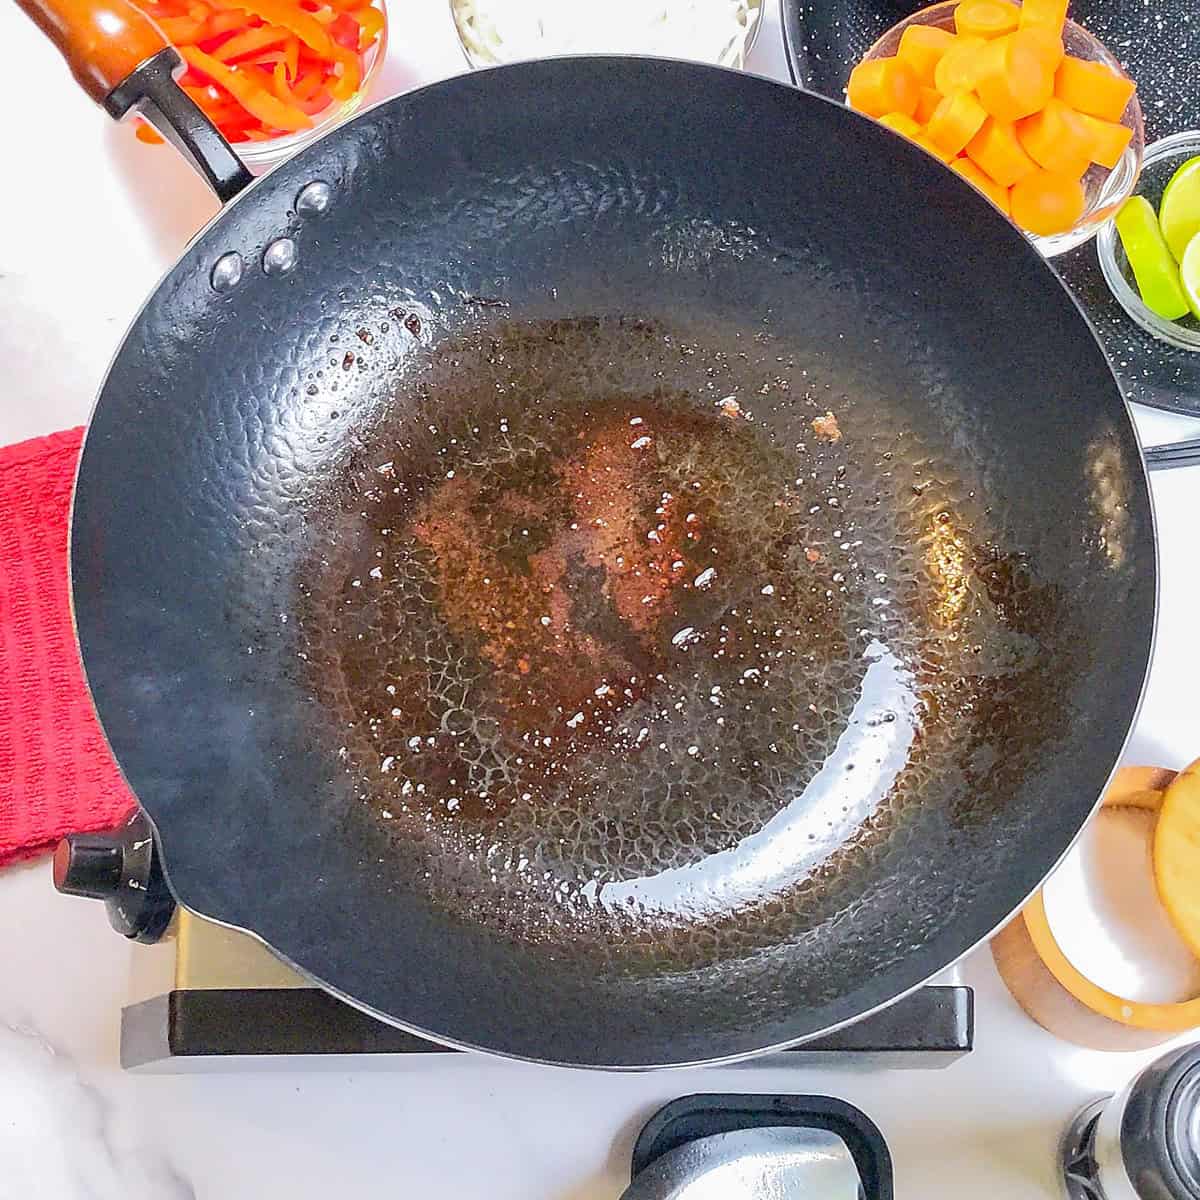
(1176, 853)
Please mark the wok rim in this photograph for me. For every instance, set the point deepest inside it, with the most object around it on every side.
(1129, 427)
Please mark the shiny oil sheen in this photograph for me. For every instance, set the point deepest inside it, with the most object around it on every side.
(637, 629)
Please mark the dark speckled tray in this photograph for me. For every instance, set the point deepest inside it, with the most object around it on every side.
(1159, 43)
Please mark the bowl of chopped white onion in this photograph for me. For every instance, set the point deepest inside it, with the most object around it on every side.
(502, 31)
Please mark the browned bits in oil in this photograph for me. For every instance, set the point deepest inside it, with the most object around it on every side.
(413, 324)
(348, 361)
(573, 626)
(365, 336)
(826, 427)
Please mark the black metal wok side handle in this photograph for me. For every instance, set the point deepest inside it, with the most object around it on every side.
(123, 61)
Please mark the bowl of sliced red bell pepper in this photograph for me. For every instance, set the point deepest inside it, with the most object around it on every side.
(273, 74)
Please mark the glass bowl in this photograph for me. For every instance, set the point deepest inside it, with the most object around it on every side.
(1104, 190)
(480, 54)
(1158, 165)
(260, 156)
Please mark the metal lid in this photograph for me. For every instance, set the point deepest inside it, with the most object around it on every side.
(1183, 1126)
(1160, 1129)
(750, 1163)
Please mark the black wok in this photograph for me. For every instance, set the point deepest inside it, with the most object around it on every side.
(652, 569)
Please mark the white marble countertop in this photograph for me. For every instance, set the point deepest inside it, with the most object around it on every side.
(89, 219)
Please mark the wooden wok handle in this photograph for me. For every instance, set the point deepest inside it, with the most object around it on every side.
(103, 41)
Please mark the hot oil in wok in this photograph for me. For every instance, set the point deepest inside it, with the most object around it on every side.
(619, 655)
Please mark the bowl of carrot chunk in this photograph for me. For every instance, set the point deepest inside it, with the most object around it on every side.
(1023, 103)
(273, 75)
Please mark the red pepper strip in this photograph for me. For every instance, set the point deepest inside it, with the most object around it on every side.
(324, 16)
(347, 82)
(308, 85)
(318, 102)
(224, 22)
(370, 26)
(344, 31)
(220, 109)
(291, 57)
(250, 41)
(252, 96)
(294, 20)
(198, 10)
(351, 6)
(180, 31)
(280, 85)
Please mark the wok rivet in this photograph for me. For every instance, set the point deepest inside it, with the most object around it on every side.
(226, 272)
(314, 198)
(279, 257)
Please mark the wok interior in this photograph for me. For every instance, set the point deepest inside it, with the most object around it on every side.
(582, 691)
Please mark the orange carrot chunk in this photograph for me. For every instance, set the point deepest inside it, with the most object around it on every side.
(985, 183)
(1046, 42)
(922, 46)
(901, 123)
(958, 68)
(955, 122)
(1045, 14)
(1093, 88)
(1057, 139)
(986, 18)
(1046, 202)
(922, 140)
(927, 103)
(1013, 79)
(1107, 140)
(882, 86)
(996, 151)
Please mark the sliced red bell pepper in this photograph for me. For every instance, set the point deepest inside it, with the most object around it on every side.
(291, 57)
(224, 22)
(287, 15)
(349, 77)
(309, 83)
(248, 92)
(345, 31)
(251, 41)
(370, 25)
(181, 31)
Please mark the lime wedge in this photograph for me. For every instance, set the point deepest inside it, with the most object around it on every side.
(1189, 274)
(1151, 259)
(1179, 212)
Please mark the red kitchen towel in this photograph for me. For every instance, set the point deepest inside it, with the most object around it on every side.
(56, 772)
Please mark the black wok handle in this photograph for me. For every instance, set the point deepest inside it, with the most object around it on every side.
(121, 867)
(123, 61)
(1173, 454)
